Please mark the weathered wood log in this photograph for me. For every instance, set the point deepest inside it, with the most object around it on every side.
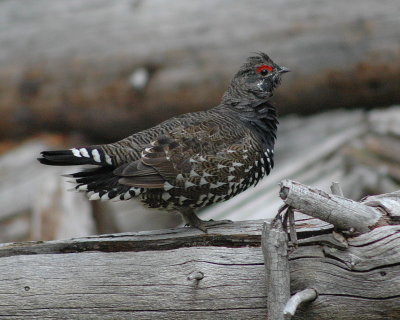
(48, 83)
(169, 274)
(362, 281)
(183, 273)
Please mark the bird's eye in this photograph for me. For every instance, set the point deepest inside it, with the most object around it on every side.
(263, 69)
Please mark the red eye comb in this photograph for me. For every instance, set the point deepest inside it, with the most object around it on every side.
(263, 67)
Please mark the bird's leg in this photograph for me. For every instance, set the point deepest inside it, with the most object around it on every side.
(194, 221)
(286, 214)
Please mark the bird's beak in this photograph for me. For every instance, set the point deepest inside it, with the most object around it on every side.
(283, 70)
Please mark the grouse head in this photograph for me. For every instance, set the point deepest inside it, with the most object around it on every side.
(256, 79)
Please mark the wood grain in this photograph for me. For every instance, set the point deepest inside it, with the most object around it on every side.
(343, 213)
(186, 274)
(275, 250)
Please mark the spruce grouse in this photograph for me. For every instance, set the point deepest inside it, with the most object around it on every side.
(192, 160)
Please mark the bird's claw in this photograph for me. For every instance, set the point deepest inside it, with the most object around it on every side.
(205, 225)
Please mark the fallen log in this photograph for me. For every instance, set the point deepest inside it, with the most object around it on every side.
(121, 73)
(184, 273)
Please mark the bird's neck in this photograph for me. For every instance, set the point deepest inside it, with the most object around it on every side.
(260, 116)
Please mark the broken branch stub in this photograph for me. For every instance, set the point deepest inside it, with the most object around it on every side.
(344, 214)
(336, 189)
(306, 295)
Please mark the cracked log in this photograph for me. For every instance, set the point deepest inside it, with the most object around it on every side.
(186, 274)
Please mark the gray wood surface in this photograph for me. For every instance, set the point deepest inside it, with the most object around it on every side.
(186, 274)
(343, 213)
(275, 250)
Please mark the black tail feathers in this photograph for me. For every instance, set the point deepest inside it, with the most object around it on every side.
(75, 156)
(99, 183)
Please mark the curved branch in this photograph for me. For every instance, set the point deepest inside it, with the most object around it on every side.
(306, 295)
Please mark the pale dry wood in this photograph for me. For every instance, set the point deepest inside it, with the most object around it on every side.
(183, 273)
(274, 244)
(343, 213)
(363, 279)
(388, 202)
(135, 285)
(231, 235)
(155, 275)
(374, 236)
(331, 277)
(336, 189)
(303, 296)
(368, 253)
(337, 307)
(325, 239)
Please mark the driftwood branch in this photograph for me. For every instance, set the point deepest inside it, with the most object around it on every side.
(344, 214)
(306, 295)
(275, 251)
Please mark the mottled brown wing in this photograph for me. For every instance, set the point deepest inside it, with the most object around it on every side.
(176, 154)
(137, 174)
(152, 169)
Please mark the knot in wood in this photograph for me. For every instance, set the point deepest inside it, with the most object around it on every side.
(196, 275)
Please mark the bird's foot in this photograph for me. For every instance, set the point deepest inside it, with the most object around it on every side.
(195, 222)
(205, 225)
